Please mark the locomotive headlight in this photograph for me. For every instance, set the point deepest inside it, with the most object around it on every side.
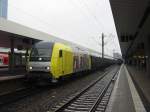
(47, 68)
(30, 68)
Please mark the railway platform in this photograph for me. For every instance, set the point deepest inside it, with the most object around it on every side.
(129, 92)
(5, 74)
(142, 82)
(6, 78)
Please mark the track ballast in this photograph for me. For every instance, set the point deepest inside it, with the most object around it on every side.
(92, 98)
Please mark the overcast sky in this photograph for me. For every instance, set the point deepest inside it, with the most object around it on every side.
(80, 21)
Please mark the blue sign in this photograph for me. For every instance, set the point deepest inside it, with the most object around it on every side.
(3, 8)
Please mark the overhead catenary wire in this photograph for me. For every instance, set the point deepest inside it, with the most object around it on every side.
(49, 26)
(107, 49)
(86, 14)
(82, 12)
(89, 15)
(110, 38)
(80, 7)
(98, 23)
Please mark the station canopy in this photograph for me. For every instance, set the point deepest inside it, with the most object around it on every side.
(132, 22)
(23, 35)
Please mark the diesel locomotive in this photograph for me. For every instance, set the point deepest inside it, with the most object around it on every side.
(52, 60)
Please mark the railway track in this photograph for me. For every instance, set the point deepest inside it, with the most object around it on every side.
(92, 98)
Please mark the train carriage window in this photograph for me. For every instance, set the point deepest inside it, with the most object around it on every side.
(75, 62)
(1, 62)
(60, 53)
(81, 61)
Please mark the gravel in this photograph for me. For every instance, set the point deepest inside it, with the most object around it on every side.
(51, 95)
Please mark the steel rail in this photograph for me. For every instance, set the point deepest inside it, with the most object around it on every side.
(84, 90)
(93, 108)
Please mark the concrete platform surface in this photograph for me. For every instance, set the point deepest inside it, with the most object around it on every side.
(125, 97)
(142, 80)
(17, 73)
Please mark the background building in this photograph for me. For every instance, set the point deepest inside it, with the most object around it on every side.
(3, 8)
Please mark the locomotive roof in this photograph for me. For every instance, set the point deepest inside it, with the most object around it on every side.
(76, 48)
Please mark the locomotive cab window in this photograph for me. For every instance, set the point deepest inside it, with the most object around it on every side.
(41, 50)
